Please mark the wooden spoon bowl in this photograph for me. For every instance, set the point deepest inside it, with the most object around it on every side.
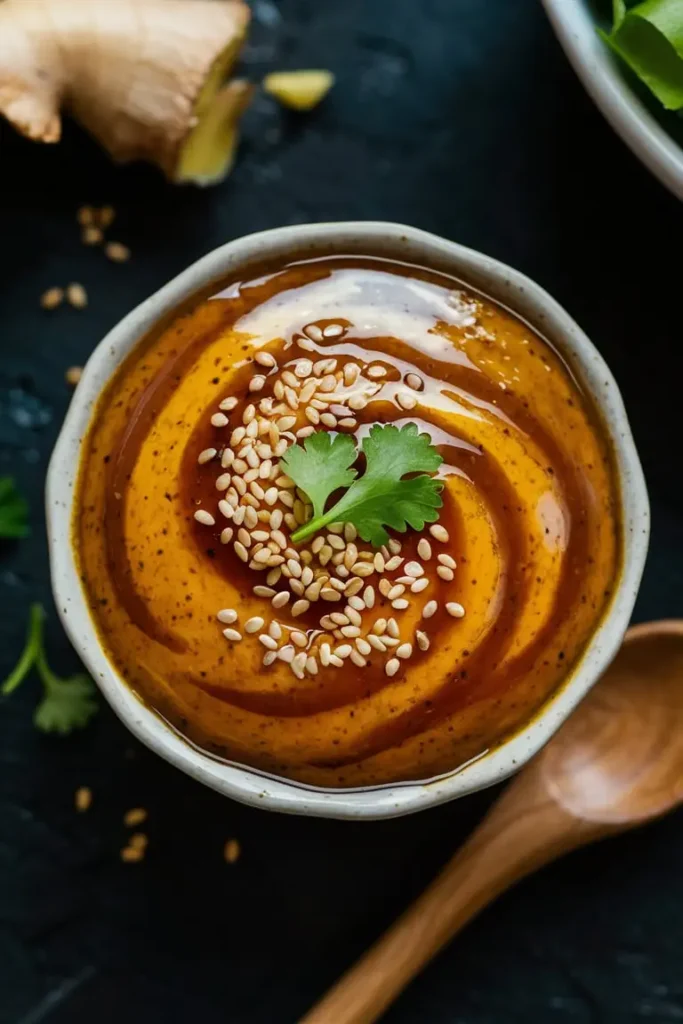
(616, 763)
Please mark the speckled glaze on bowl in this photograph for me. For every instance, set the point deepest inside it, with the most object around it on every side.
(500, 282)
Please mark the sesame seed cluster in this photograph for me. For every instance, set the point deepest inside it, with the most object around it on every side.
(258, 507)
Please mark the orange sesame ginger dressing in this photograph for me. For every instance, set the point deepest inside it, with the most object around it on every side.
(333, 663)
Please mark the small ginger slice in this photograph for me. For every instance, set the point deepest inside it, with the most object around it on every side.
(145, 77)
(299, 90)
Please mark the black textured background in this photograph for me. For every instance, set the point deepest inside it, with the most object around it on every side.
(462, 117)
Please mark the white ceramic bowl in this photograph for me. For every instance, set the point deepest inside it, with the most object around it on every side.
(606, 81)
(500, 282)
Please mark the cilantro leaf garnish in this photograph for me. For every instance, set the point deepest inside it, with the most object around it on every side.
(321, 466)
(67, 704)
(13, 511)
(380, 497)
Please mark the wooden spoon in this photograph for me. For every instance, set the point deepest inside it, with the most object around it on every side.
(616, 763)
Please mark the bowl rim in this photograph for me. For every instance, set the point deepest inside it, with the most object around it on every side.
(522, 296)
(608, 87)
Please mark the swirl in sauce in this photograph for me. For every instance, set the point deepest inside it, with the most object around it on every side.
(529, 510)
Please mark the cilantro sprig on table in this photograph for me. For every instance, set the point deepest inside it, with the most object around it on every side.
(67, 704)
(381, 497)
(13, 511)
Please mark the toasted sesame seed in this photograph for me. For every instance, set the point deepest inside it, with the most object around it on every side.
(265, 359)
(311, 665)
(254, 624)
(91, 235)
(269, 657)
(392, 628)
(445, 573)
(353, 586)
(228, 404)
(303, 368)
(248, 415)
(392, 666)
(226, 535)
(204, 517)
(299, 607)
(363, 569)
(455, 609)
(375, 642)
(384, 587)
(393, 563)
(379, 626)
(429, 609)
(77, 296)
(313, 332)
(267, 640)
(404, 650)
(414, 381)
(379, 562)
(339, 618)
(348, 422)
(226, 509)
(241, 551)
(413, 569)
(291, 399)
(405, 400)
(263, 556)
(369, 597)
(281, 599)
(390, 641)
(206, 456)
(333, 331)
(327, 384)
(286, 653)
(343, 650)
(328, 420)
(261, 591)
(357, 402)
(117, 252)
(363, 646)
(419, 585)
(328, 594)
(232, 634)
(325, 651)
(351, 373)
(395, 592)
(400, 604)
(298, 638)
(422, 640)
(273, 576)
(357, 603)
(350, 631)
(439, 533)
(376, 371)
(313, 415)
(305, 432)
(424, 549)
(257, 382)
(394, 546)
(358, 659)
(219, 419)
(250, 521)
(447, 560)
(286, 423)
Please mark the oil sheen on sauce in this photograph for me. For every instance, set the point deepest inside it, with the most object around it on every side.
(529, 505)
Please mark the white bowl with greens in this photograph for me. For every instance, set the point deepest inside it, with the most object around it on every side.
(630, 59)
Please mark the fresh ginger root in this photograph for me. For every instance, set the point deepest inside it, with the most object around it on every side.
(145, 77)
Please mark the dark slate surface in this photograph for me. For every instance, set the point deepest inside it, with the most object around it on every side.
(457, 116)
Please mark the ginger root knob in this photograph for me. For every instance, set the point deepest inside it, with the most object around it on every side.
(145, 77)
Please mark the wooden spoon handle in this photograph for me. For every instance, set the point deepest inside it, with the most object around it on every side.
(515, 838)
